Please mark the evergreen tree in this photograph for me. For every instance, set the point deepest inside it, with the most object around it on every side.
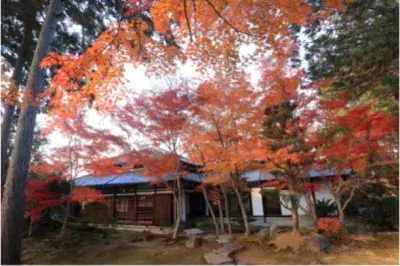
(289, 153)
(18, 47)
(357, 52)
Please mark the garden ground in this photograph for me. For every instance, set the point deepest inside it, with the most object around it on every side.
(127, 247)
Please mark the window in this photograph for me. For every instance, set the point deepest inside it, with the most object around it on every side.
(145, 203)
(123, 205)
(271, 202)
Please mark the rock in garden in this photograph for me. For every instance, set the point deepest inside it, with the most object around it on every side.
(263, 232)
(319, 242)
(193, 242)
(193, 231)
(273, 230)
(228, 249)
(217, 259)
(225, 239)
(288, 240)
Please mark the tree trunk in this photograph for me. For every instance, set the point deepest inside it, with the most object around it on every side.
(295, 217)
(9, 108)
(210, 209)
(294, 211)
(178, 211)
(71, 191)
(221, 214)
(339, 208)
(311, 206)
(14, 195)
(65, 218)
(226, 202)
(30, 228)
(244, 214)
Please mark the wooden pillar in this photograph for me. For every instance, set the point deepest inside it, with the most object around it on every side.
(154, 204)
(136, 203)
(114, 203)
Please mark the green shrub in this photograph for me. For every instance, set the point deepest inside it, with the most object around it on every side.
(201, 224)
(392, 212)
(376, 207)
(325, 207)
(97, 213)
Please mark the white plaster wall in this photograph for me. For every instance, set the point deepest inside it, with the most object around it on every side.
(256, 202)
(323, 192)
(285, 211)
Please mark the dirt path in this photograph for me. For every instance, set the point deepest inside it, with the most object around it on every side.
(357, 250)
(124, 247)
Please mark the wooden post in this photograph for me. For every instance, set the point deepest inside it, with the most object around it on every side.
(114, 203)
(136, 203)
(154, 204)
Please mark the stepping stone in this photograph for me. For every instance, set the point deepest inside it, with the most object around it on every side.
(209, 237)
(225, 239)
(193, 231)
(241, 263)
(217, 259)
(228, 249)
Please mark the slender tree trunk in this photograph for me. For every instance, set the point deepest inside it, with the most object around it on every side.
(295, 217)
(14, 195)
(397, 96)
(241, 205)
(221, 214)
(71, 191)
(178, 211)
(30, 228)
(65, 218)
(339, 208)
(9, 108)
(210, 209)
(311, 206)
(226, 202)
(244, 214)
(294, 211)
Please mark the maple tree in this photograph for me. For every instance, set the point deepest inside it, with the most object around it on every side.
(285, 148)
(84, 144)
(155, 34)
(355, 138)
(158, 117)
(226, 119)
(191, 145)
(158, 34)
(39, 197)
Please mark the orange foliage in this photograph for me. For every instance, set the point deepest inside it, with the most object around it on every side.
(209, 33)
(85, 194)
(362, 131)
(223, 127)
(39, 197)
(329, 226)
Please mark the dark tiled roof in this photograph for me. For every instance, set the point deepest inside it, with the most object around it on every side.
(259, 175)
(135, 177)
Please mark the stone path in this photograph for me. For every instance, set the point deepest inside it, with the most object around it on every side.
(223, 254)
